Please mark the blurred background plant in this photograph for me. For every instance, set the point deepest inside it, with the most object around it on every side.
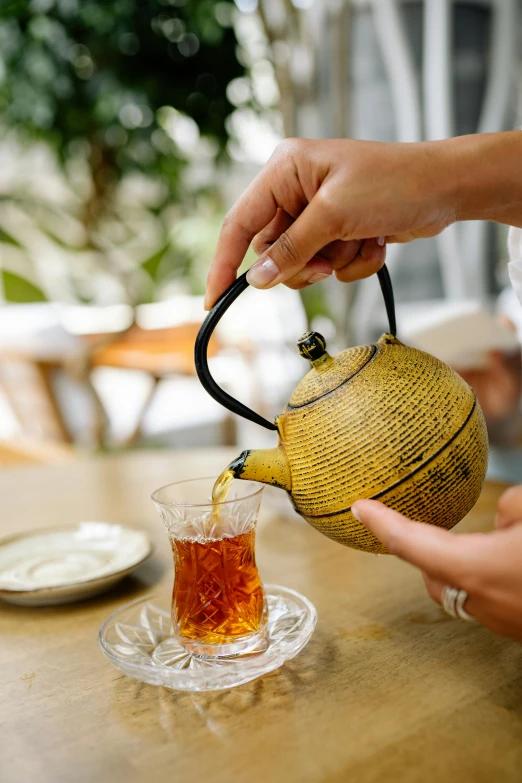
(120, 109)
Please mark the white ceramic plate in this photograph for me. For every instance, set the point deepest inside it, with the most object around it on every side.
(65, 564)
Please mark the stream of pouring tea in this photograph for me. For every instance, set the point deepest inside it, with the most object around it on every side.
(220, 490)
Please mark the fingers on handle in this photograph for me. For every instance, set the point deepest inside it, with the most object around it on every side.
(367, 262)
(255, 209)
(294, 248)
(232, 245)
(270, 233)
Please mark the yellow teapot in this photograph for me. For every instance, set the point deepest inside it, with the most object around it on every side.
(382, 421)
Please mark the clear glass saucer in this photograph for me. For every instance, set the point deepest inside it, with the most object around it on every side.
(137, 639)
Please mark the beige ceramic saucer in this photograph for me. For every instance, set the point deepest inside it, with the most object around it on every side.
(65, 564)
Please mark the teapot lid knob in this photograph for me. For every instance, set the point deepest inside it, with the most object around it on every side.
(312, 346)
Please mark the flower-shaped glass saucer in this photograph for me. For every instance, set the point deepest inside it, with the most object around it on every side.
(138, 640)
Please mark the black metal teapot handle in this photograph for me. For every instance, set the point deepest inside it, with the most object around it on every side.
(214, 317)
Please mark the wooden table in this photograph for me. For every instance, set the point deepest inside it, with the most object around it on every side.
(160, 353)
(388, 689)
(28, 377)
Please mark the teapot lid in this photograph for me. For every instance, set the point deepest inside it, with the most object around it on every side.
(328, 372)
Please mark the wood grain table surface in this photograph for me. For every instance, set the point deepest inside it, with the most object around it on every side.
(388, 689)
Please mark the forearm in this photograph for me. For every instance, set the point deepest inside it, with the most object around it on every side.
(484, 176)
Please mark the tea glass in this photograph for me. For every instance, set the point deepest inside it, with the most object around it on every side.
(219, 606)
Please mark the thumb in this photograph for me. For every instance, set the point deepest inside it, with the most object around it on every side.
(428, 547)
(388, 525)
(294, 248)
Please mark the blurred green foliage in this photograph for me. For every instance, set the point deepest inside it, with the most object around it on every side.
(119, 85)
(17, 289)
(98, 71)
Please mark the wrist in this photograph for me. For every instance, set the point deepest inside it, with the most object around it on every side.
(481, 175)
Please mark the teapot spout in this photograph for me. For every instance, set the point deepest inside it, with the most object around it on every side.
(269, 466)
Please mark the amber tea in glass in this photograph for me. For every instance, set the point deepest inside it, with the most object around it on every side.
(218, 601)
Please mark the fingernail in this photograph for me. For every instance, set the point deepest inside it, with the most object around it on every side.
(206, 304)
(355, 513)
(318, 276)
(262, 273)
(381, 241)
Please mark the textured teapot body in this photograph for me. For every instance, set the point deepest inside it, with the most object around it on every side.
(384, 421)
